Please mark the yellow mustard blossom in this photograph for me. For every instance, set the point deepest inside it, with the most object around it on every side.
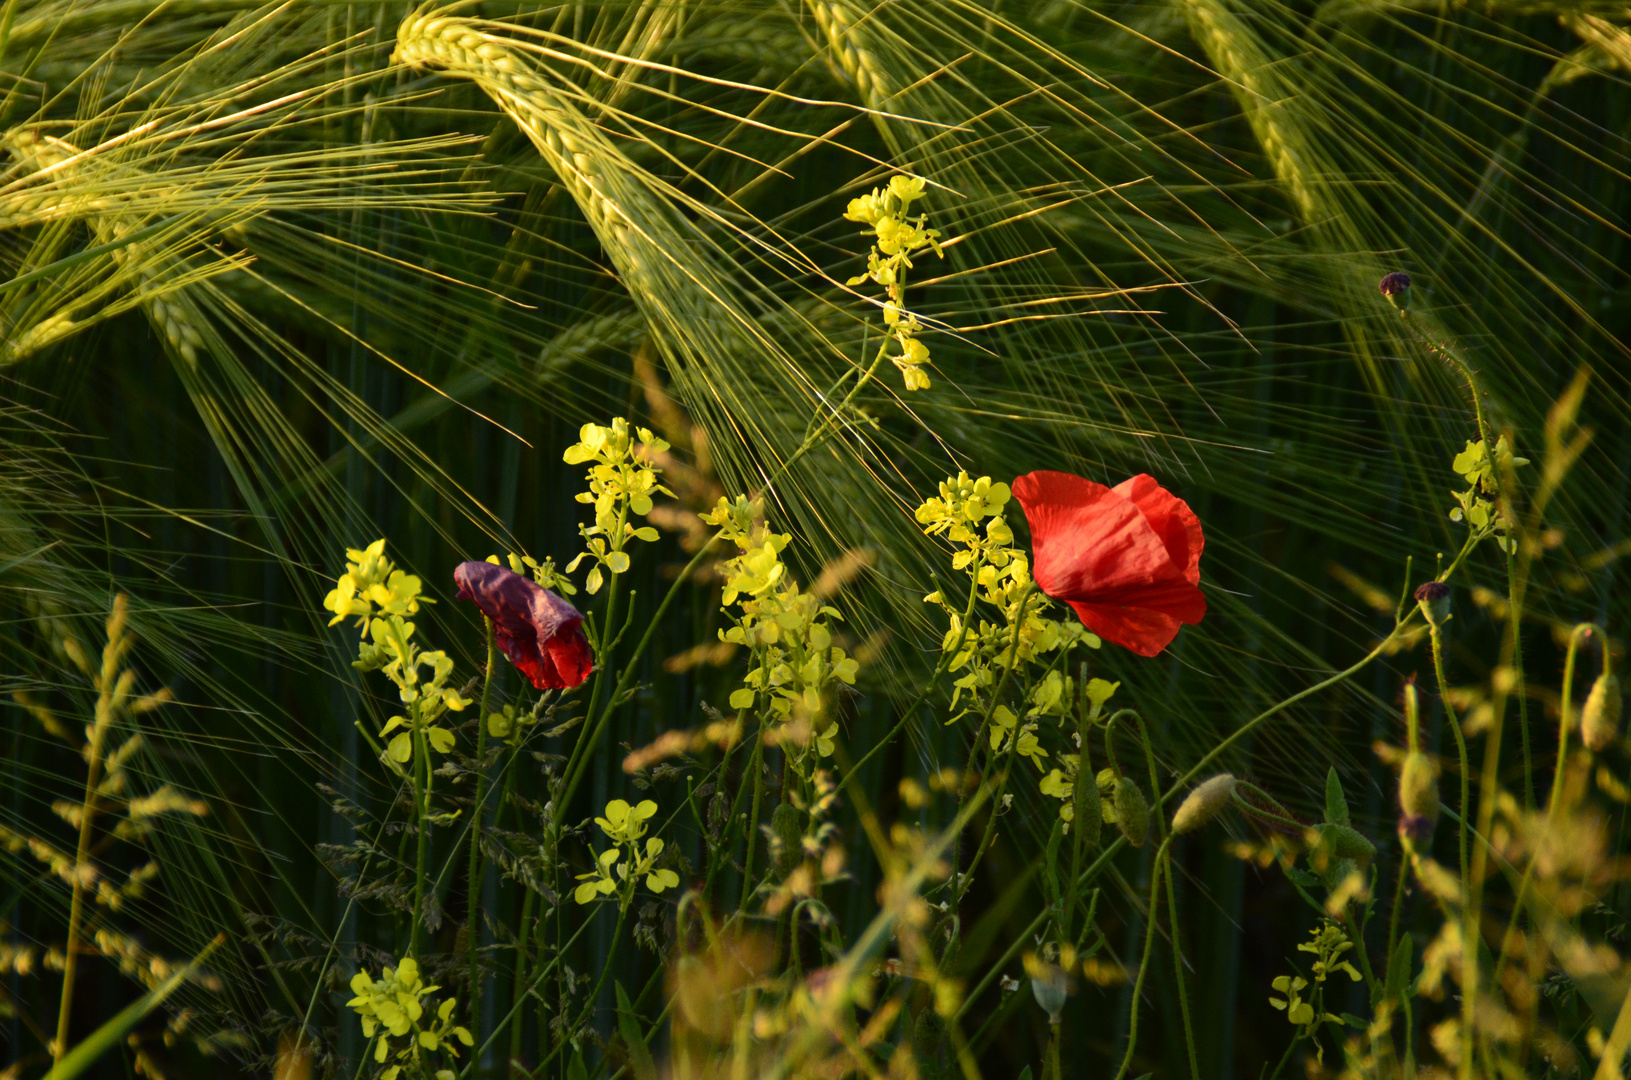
(622, 480)
(371, 583)
(628, 861)
(390, 1008)
(896, 238)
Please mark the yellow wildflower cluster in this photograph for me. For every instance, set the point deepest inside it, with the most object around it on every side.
(969, 513)
(390, 1009)
(622, 480)
(1022, 637)
(625, 825)
(795, 663)
(372, 582)
(370, 588)
(896, 239)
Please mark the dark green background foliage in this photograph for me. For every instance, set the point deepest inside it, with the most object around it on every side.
(1170, 219)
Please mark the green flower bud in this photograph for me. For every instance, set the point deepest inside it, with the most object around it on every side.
(1203, 804)
(1418, 796)
(1346, 843)
(1600, 719)
(1132, 812)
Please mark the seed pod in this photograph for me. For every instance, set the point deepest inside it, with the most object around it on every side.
(1203, 804)
(1434, 598)
(1089, 810)
(1132, 812)
(787, 832)
(1600, 719)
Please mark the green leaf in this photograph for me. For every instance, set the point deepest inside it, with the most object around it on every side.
(575, 1069)
(1336, 804)
(1398, 969)
(640, 1061)
(1302, 877)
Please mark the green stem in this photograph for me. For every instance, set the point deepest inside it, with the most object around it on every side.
(947, 657)
(755, 767)
(960, 878)
(1514, 608)
(472, 930)
(421, 786)
(591, 737)
(1184, 781)
(600, 984)
(520, 973)
(1469, 924)
(1178, 976)
(1565, 725)
(1285, 1057)
(520, 998)
(1152, 918)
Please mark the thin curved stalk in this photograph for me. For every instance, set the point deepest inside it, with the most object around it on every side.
(1469, 923)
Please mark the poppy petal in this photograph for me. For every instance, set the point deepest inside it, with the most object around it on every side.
(1172, 519)
(1141, 630)
(541, 634)
(1088, 539)
(1126, 559)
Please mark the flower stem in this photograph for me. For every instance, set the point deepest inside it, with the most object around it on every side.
(1469, 922)
(421, 792)
(520, 973)
(472, 930)
(755, 767)
(1144, 964)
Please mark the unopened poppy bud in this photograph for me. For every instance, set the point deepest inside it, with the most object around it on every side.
(1434, 598)
(1600, 719)
(1132, 812)
(1418, 795)
(1396, 287)
(1203, 804)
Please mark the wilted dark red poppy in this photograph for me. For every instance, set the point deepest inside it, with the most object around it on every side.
(1126, 558)
(540, 633)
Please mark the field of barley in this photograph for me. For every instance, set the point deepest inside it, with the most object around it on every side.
(815, 539)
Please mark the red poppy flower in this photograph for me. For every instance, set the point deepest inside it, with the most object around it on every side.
(1126, 558)
(540, 633)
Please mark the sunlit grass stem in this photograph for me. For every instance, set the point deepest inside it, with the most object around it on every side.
(82, 867)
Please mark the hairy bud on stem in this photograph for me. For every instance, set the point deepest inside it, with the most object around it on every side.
(1203, 804)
